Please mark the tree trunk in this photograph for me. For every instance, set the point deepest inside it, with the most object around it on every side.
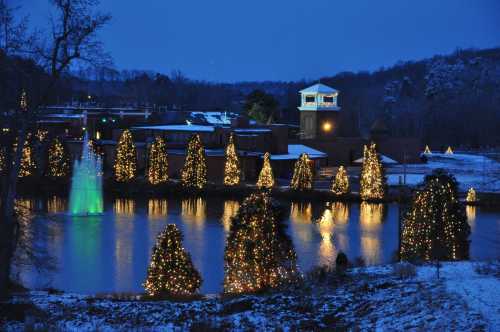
(8, 222)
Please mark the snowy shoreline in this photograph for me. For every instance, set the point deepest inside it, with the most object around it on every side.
(466, 297)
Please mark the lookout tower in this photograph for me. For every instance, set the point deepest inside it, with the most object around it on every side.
(319, 113)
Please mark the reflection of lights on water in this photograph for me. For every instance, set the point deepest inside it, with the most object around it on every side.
(301, 213)
(340, 212)
(124, 206)
(470, 212)
(370, 219)
(230, 210)
(193, 210)
(157, 208)
(56, 205)
(301, 218)
(326, 247)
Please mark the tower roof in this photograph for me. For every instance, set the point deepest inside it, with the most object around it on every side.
(318, 88)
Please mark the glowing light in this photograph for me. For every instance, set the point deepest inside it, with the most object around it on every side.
(340, 184)
(302, 175)
(327, 126)
(230, 210)
(232, 170)
(126, 159)
(158, 162)
(266, 177)
(157, 208)
(194, 171)
(372, 182)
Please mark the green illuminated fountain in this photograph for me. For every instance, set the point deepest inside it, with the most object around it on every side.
(86, 184)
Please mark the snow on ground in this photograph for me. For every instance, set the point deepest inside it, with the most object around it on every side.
(471, 170)
(372, 298)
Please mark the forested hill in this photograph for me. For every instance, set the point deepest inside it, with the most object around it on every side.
(445, 100)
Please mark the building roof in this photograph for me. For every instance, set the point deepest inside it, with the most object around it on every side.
(186, 127)
(319, 88)
(383, 159)
(295, 150)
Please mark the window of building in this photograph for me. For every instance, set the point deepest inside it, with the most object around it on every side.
(310, 99)
(328, 99)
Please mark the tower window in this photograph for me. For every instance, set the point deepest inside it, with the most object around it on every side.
(310, 99)
(328, 99)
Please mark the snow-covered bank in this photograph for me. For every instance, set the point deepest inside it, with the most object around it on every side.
(371, 298)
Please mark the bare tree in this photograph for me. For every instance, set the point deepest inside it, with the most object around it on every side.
(73, 38)
(13, 32)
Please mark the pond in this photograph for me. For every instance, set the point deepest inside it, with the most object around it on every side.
(111, 252)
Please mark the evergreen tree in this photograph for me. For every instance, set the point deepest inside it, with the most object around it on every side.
(471, 196)
(302, 175)
(436, 227)
(58, 160)
(171, 271)
(259, 255)
(340, 185)
(372, 182)
(28, 165)
(232, 170)
(158, 162)
(194, 172)
(266, 177)
(126, 158)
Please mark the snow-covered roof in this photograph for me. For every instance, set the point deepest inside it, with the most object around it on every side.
(295, 150)
(252, 130)
(384, 159)
(65, 116)
(214, 118)
(318, 88)
(186, 127)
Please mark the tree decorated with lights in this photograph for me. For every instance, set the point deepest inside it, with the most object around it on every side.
(266, 177)
(471, 196)
(436, 226)
(171, 271)
(126, 159)
(2, 159)
(58, 166)
(427, 150)
(372, 182)
(449, 150)
(302, 178)
(28, 165)
(340, 184)
(194, 171)
(232, 172)
(158, 162)
(259, 255)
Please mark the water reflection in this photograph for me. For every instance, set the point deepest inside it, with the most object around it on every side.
(230, 210)
(370, 220)
(326, 250)
(194, 211)
(157, 208)
(470, 212)
(340, 212)
(301, 218)
(56, 204)
(124, 207)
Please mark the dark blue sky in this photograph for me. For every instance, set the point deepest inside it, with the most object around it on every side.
(235, 40)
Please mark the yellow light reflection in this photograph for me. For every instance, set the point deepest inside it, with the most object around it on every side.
(56, 204)
(157, 208)
(124, 206)
(470, 212)
(301, 218)
(370, 219)
(230, 210)
(327, 251)
(193, 211)
(340, 212)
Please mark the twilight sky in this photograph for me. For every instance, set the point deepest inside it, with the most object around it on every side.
(236, 40)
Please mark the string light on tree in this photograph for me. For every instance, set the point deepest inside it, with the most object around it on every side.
(302, 175)
(28, 165)
(436, 227)
(449, 150)
(158, 162)
(340, 184)
(58, 160)
(372, 182)
(259, 254)
(232, 172)
(427, 150)
(194, 171)
(24, 101)
(266, 177)
(171, 271)
(471, 196)
(126, 159)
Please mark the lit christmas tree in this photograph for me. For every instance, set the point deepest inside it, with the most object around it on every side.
(58, 160)
(259, 255)
(232, 170)
(427, 150)
(2, 159)
(171, 271)
(372, 182)
(158, 162)
(340, 184)
(436, 227)
(471, 196)
(266, 177)
(126, 159)
(194, 172)
(302, 174)
(449, 150)
(28, 164)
